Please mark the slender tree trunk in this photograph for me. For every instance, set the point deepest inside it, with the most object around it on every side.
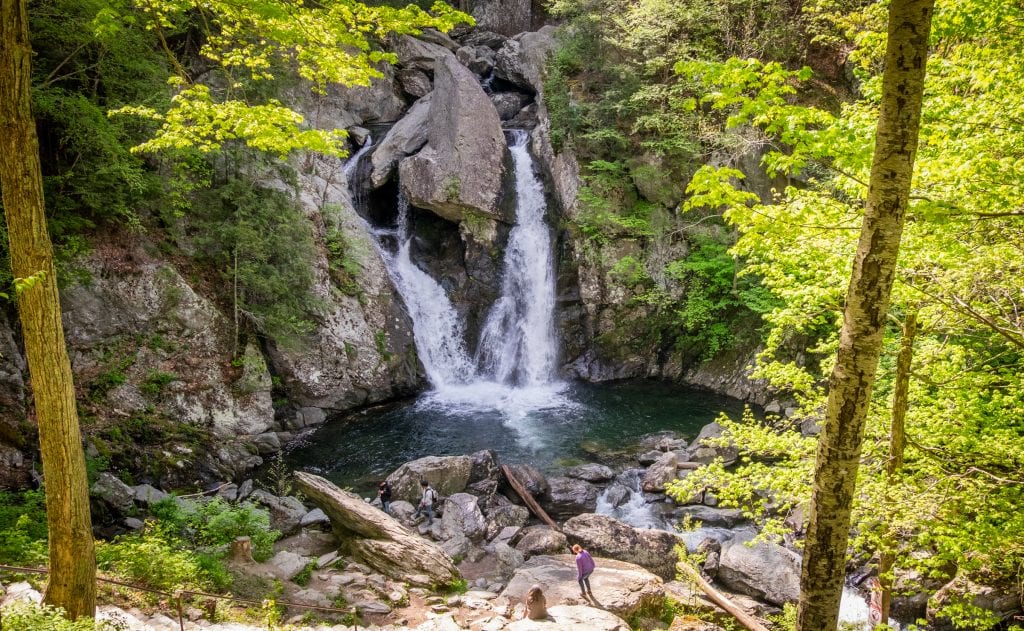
(897, 445)
(72, 583)
(867, 302)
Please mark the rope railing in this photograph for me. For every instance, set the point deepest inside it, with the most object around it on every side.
(178, 596)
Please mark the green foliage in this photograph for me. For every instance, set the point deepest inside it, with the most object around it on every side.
(153, 558)
(241, 231)
(343, 253)
(29, 616)
(155, 381)
(215, 524)
(302, 578)
(23, 533)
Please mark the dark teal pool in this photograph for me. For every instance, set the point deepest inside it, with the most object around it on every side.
(544, 427)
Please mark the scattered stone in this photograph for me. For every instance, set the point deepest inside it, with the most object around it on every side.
(113, 492)
(286, 513)
(591, 472)
(148, 495)
(286, 564)
(325, 560)
(617, 495)
(540, 540)
(313, 517)
(134, 523)
(572, 618)
(660, 473)
(457, 546)
(479, 59)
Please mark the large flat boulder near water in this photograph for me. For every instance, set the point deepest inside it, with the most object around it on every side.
(447, 474)
(572, 618)
(606, 536)
(373, 537)
(621, 588)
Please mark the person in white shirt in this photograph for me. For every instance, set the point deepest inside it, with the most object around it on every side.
(426, 505)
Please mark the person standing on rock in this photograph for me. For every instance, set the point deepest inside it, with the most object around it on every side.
(384, 493)
(584, 567)
(426, 505)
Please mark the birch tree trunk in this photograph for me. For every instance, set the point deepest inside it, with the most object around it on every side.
(72, 583)
(867, 303)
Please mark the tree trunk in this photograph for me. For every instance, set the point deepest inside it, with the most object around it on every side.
(867, 303)
(897, 445)
(72, 583)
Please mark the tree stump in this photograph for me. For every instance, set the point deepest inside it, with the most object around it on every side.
(241, 550)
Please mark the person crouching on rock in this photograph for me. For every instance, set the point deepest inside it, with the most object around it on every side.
(426, 505)
(536, 604)
(584, 567)
(384, 493)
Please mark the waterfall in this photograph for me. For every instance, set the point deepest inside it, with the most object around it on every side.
(517, 344)
(515, 361)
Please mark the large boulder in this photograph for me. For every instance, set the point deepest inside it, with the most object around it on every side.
(459, 172)
(608, 537)
(113, 492)
(417, 54)
(538, 540)
(462, 516)
(501, 517)
(661, 472)
(447, 474)
(765, 571)
(621, 588)
(507, 17)
(521, 59)
(415, 82)
(572, 618)
(709, 516)
(570, 496)
(374, 538)
(404, 139)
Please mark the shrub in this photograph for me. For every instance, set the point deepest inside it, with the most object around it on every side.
(222, 523)
(28, 616)
(23, 528)
(153, 558)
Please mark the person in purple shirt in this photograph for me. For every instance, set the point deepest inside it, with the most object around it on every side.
(584, 567)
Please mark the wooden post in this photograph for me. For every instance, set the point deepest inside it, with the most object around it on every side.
(528, 498)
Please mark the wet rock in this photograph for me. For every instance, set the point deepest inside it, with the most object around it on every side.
(447, 474)
(404, 139)
(532, 479)
(650, 457)
(462, 515)
(479, 59)
(464, 138)
(569, 496)
(765, 571)
(660, 473)
(621, 588)
(708, 516)
(540, 540)
(591, 472)
(374, 538)
(286, 513)
(606, 536)
(617, 495)
(508, 104)
(109, 489)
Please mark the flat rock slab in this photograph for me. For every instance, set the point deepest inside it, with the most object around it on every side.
(572, 618)
(620, 588)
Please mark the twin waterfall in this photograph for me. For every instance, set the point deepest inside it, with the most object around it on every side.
(517, 349)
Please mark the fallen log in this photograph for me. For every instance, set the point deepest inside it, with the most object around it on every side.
(531, 503)
(717, 597)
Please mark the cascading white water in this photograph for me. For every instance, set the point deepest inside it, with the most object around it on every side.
(437, 328)
(517, 344)
(515, 362)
